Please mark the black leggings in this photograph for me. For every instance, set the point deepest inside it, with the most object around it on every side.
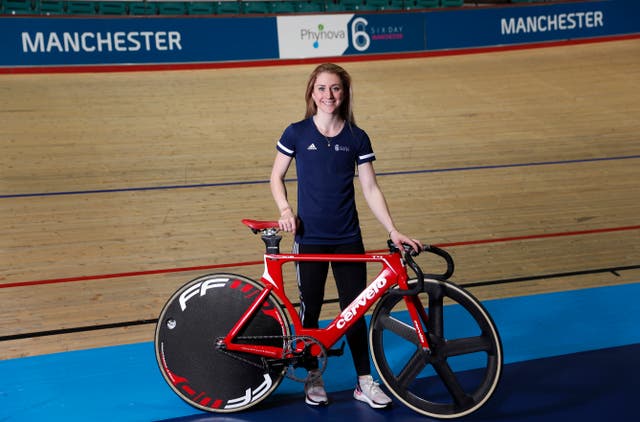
(351, 280)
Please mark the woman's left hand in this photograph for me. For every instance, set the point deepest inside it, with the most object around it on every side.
(399, 239)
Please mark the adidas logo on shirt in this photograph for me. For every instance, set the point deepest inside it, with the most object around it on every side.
(312, 147)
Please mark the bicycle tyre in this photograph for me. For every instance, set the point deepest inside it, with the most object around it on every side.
(195, 316)
(462, 369)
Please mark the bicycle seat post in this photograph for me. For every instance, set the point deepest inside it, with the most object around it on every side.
(271, 240)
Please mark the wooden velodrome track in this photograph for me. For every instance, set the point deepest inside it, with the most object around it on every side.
(117, 188)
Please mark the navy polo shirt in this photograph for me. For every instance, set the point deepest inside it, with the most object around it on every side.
(326, 195)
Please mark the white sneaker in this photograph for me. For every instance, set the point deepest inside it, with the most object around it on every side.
(369, 392)
(315, 394)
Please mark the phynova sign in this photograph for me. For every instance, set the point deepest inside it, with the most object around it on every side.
(313, 35)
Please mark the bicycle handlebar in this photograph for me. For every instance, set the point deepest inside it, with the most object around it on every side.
(409, 253)
(447, 258)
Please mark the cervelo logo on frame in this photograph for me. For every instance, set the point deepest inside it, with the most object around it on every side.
(313, 35)
(368, 295)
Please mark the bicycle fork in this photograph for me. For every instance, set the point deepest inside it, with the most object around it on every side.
(418, 317)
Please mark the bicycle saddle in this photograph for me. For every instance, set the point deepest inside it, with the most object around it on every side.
(256, 225)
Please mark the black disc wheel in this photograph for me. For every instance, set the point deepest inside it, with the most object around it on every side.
(199, 313)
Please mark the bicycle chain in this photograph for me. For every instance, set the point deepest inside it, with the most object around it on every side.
(241, 359)
(264, 366)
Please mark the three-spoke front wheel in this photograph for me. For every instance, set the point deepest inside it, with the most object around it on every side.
(460, 370)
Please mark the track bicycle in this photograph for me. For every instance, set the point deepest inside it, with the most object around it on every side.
(224, 342)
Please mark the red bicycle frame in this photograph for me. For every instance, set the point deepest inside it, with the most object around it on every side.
(393, 272)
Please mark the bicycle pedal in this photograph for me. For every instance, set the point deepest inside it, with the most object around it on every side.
(336, 352)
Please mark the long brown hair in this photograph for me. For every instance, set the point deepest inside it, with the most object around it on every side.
(346, 108)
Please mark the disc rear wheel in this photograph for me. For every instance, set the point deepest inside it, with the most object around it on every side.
(194, 318)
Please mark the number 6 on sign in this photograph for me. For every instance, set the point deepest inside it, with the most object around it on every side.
(359, 36)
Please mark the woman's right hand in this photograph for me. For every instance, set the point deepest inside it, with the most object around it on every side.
(288, 221)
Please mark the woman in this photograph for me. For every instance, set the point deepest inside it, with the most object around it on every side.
(327, 146)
